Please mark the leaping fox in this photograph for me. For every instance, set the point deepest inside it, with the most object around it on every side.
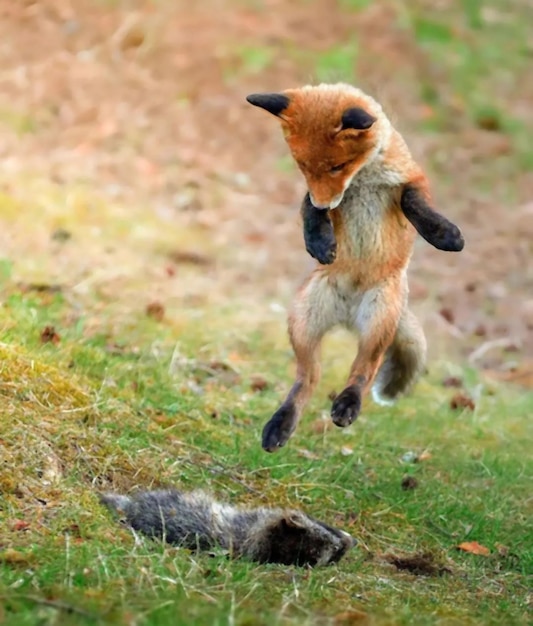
(366, 200)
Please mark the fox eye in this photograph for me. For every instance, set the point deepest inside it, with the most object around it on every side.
(338, 168)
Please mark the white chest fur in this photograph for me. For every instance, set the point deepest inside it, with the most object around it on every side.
(363, 209)
(364, 206)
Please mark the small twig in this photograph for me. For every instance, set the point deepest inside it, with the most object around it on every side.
(56, 604)
(504, 342)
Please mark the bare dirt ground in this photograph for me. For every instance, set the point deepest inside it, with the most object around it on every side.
(144, 105)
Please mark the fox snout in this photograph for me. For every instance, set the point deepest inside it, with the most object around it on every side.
(323, 203)
(327, 192)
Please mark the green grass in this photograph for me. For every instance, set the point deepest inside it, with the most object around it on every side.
(79, 417)
(247, 59)
(122, 401)
(355, 4)
(20, 122)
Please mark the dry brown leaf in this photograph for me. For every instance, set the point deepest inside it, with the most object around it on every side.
(474, 548)
(447, 314)
(181, 257)
(156, 311)
(462, 401)
(452, 381)
(258, 383)
(489, 122)
(49, 335)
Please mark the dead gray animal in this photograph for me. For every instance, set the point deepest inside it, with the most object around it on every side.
(196, 521)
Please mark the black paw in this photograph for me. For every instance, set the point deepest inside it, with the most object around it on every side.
(436, 229)
(323, 248)
(346, 407)
(449, 238)
(319, 235)
(279, 429)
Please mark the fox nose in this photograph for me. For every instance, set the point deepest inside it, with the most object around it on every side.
(317, 205)
(332, 204)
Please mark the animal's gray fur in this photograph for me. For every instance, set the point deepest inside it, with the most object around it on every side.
(196, 521)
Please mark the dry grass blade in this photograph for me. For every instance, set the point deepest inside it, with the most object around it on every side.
(55, 604)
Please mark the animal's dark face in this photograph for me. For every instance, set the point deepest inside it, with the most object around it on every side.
(301, 540)
(345, 542)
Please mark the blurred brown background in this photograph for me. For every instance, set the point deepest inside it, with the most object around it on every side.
(132, 165)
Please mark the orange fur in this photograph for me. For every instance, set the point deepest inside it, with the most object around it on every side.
(357, 173)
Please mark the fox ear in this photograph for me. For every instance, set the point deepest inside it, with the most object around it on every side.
(274, 103)
(357, 118)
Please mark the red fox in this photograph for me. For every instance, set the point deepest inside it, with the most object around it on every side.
(366, 200)
(196, 521)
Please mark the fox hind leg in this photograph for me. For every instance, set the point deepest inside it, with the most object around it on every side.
(376, 321)
(404, 361)
(313, 313)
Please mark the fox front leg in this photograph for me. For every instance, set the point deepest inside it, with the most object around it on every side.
(318, 233)
(432, 226)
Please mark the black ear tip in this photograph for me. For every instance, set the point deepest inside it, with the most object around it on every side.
(357, 118)
(370, 120)
(274, 103)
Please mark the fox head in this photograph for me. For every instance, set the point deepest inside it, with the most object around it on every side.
(332, 132)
